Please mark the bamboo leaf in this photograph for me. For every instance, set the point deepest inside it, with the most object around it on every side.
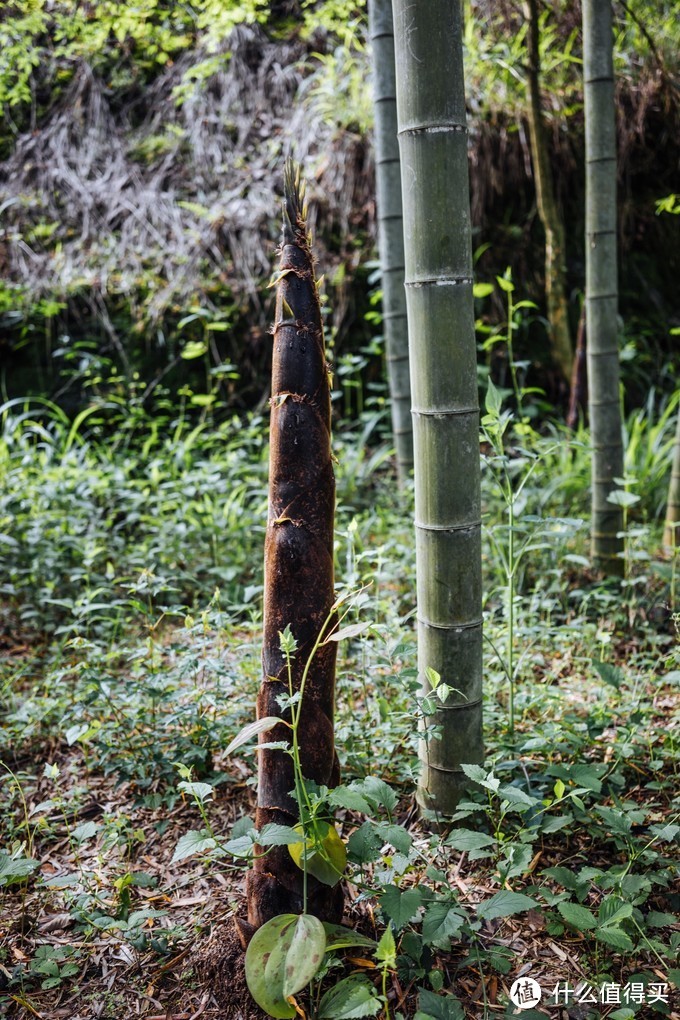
(345, 633)
(252, 730)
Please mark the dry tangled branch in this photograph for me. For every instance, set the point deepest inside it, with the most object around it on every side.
(94, 201)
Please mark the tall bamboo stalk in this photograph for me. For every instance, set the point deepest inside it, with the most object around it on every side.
(548, 209)
(298, 589)
(437, 236)
(671, 537)
(604, 402)
(391, 229)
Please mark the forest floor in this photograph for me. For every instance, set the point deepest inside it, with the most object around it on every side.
(109, 926)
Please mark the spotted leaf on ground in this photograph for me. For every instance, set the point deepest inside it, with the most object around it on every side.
(283, 956)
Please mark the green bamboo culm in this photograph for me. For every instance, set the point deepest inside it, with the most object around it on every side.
(391, 230)
(298, 570)
(604, 401)
(438, 259)
(671, 537)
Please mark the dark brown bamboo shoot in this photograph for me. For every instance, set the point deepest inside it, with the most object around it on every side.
(298, 568)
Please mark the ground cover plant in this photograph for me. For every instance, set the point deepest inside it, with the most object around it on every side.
(131, 661)
(165, 854)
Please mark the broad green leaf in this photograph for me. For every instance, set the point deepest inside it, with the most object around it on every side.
(442, 921)
(324, 853)
(283, 956)
(438, 1007)
(505, 903)
(258, 954)
(304, 955)
(364, 845)
(200, 790)
(505, 284)
(193, 843)
(351, 998)
(665, 833)
(615, 937)
(622, 498)
(401, 907)
(14, 869)
(517, 796)
(278, 835)
(339, 937)
(577, 916)
(378, 793)
(479, 775)
(613, 909)
(400, 838)
(386, 951)
(85, 831)
(349, 798)
(467, 839)
(612, 675)
(252, 730)
(657, 919)
(553, 823)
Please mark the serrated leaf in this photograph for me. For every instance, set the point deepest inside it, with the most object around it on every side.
(200, 790)
(378, 793)
(504, 904)
(467, 839)
(193, 842)
(253, 729)
(657, 919)
(438, 1007)
(349, 999)
(553, 823)
(240, 846)
(613, 909)
(615, 937)
(401, 907)
(479, 775)
(279, 835)
(349, 798)
(441, 923)
(612, 675)
(493, 401)
(363, 846)
(386, 951)
(400, 838)
(517, 796)
(577, 916)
